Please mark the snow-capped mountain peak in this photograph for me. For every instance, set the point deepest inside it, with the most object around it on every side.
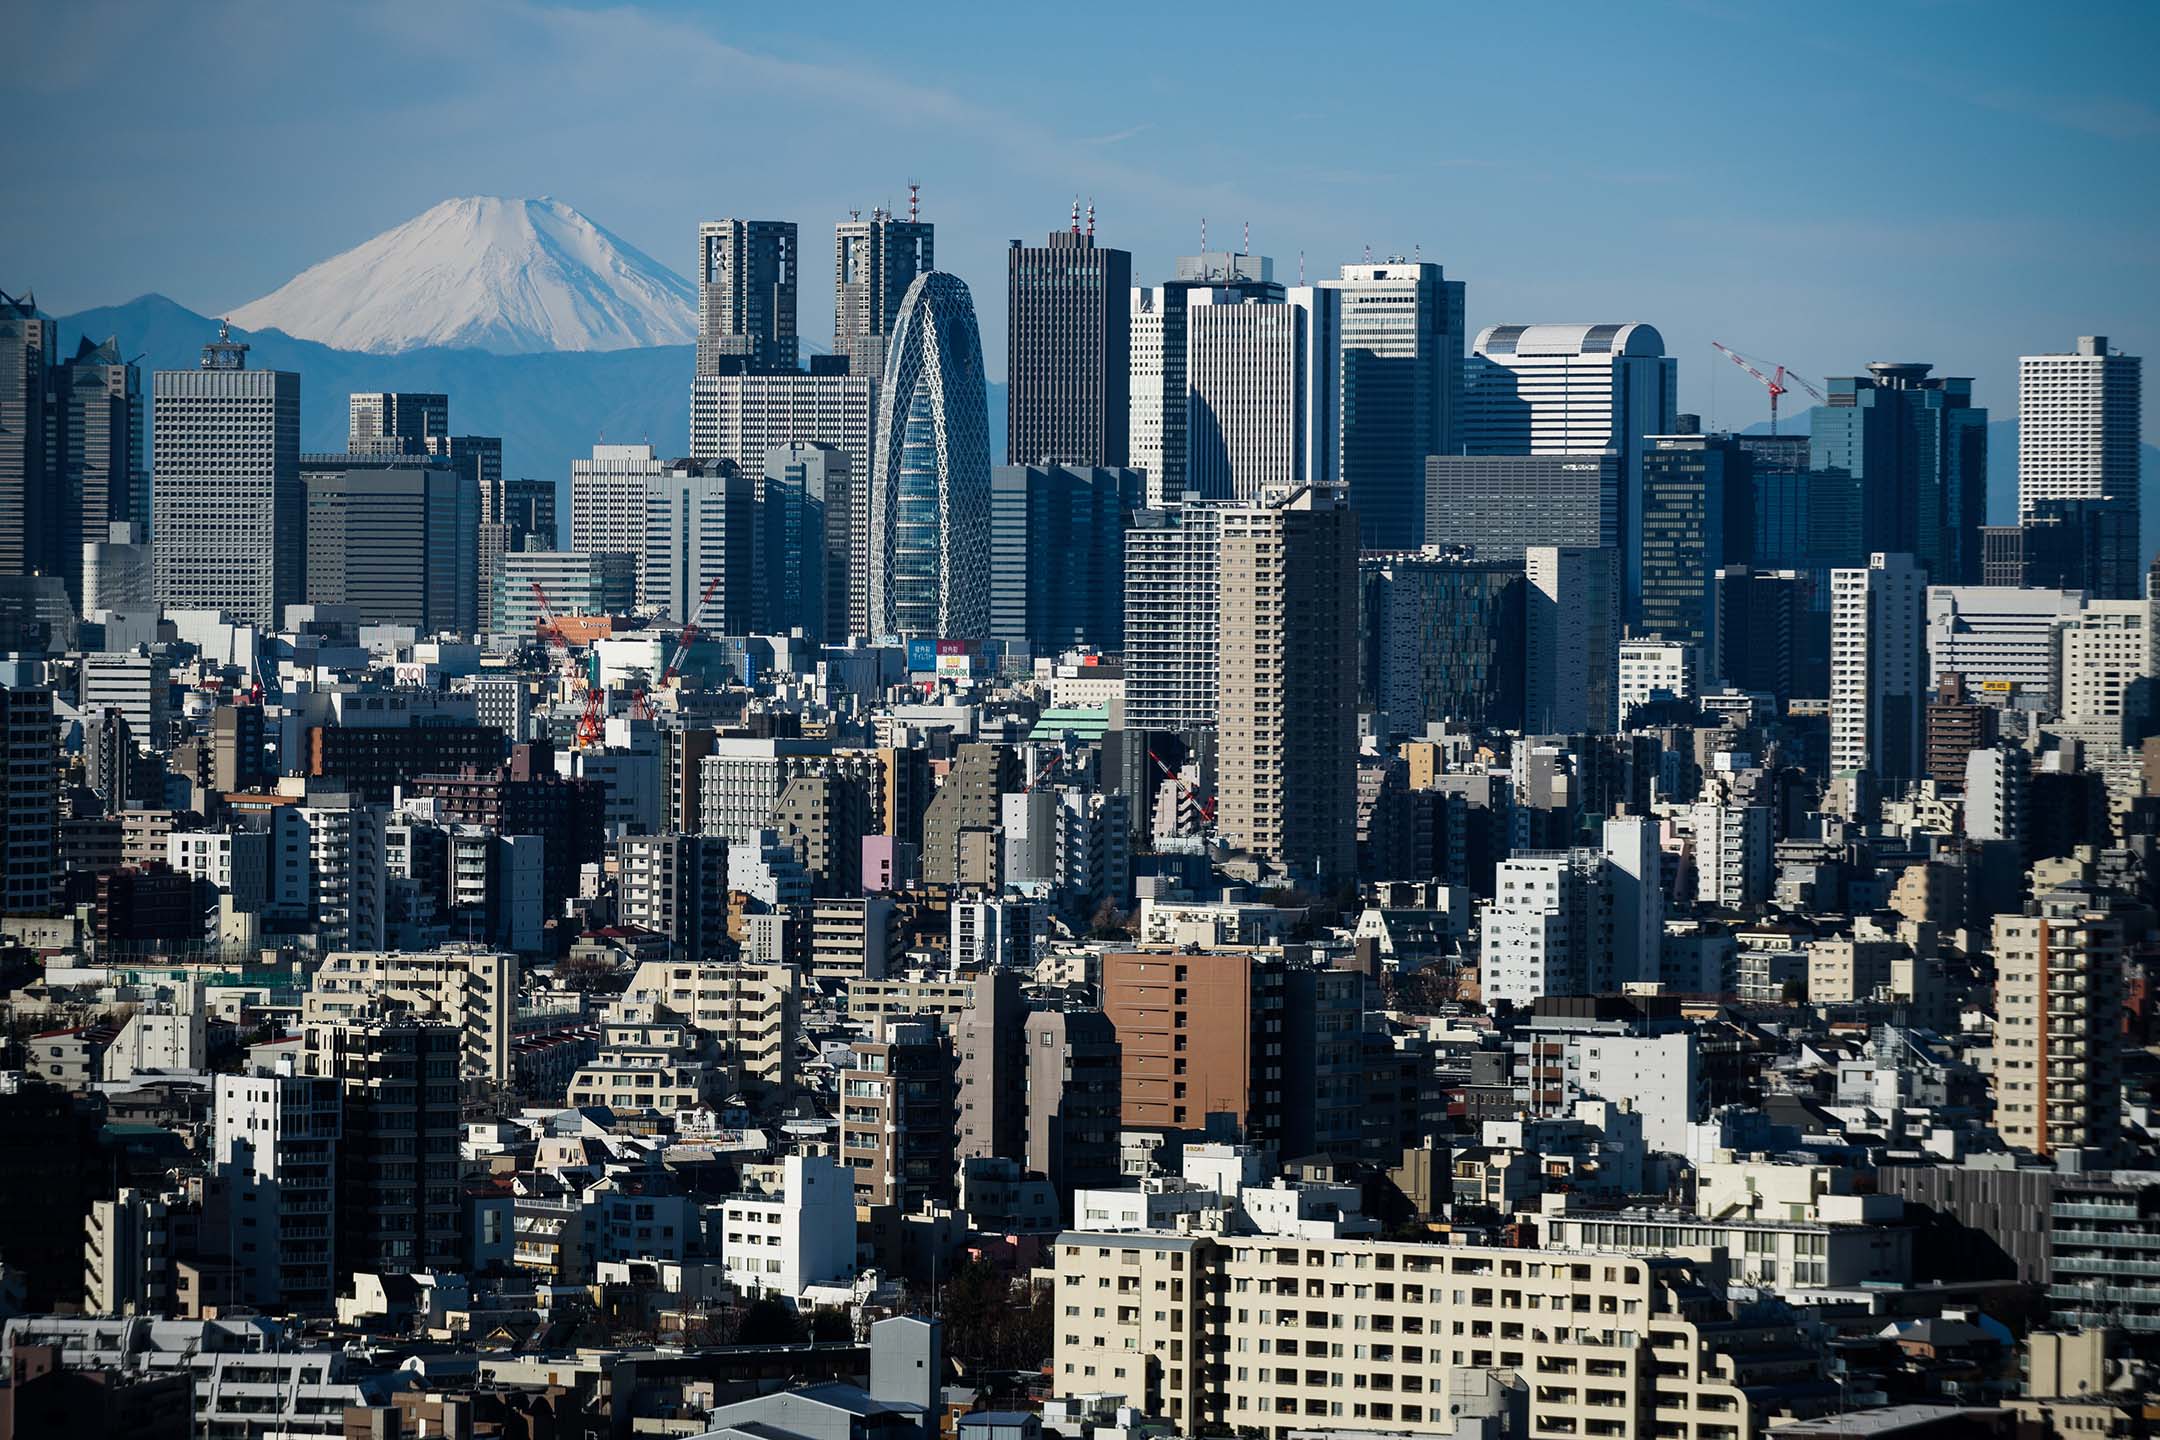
(511, 276)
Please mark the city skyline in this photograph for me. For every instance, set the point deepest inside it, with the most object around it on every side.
(1730, 225)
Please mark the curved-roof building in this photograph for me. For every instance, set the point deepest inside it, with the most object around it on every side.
(929, 540)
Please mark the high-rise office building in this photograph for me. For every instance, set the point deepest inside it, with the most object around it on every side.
(1878, 667)
(28, 510)
(1262, 393)
(116, 572)
(398, 541)
(608, 502)
(1755, 644)
(1498, 506)
(1067, 354)
(743, 418)
(2106, 669)
(1156, 436)
(874, 263)
(1565, 389)
(746, 296)
(576, 582)
(1914, 452)
(928, 551)
(1442, 639)
(1173, 558)
(807, 518)
(102, 477)
(1057, 554)
(1286, 696)
(700, 545)
(2059, 998)
(1698, 517)
(1779, 467)
(1571, 625)
(29, 806)
(1402, 372)
(514, 515)
(231, 508)
(2079, 416)
(397, 423)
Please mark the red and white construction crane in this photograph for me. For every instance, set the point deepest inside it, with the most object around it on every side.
(1773, 380)
(589, 728)
(673, 667)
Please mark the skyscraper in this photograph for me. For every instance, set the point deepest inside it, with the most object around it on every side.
(701, 527)
(1286, 698)
(807, 514)
(2079, 425)
(874, 263)
(746, 296)
(1915, 450)
(28, 511)
(1172, 616)
(397, 541)
(1156, 438)
(1057, 554)
(1442, 638)
(231, 508)
(1698, 517)
(514, 515)
(397, 423)
(1262, 392)
(98, 441)
(1498, 506)
(1402, 369)
(929, 533)
(1878, 667)
(1553, 389)
(1067, 353)
(1571, 625)
(608, 505)
(2078, 420)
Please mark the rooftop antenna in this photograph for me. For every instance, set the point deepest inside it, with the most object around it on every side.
(1417, 253)
(1245, 245)
(1301, 267)
(1368, 252)
(1091, 217)
(1203, 234)
(1076, 215)
(855, 214)
(914, 200)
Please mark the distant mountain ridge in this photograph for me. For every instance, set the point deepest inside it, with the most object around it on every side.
(484, 272)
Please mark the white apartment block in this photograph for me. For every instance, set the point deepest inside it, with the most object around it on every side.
(348, 871)
(1877, 655)
(2079, 421)
(139, 686)
(801, 1235)
(1651, 667)
(1173, 622)
(1732, 854)
(1260, 1334)
(274, 1149)
(2106, 650)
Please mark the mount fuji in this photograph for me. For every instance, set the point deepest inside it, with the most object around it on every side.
(484, 272)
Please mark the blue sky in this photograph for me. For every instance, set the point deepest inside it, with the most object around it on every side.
(1823, 185)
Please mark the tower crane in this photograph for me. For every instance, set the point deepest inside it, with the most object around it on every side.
(683, 641)
(588, 726)
(1774, 381)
